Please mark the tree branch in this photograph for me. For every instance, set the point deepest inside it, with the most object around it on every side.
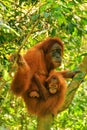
(74, 85)
(28, 35)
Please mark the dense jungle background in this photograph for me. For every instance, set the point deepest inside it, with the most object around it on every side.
(24, 23)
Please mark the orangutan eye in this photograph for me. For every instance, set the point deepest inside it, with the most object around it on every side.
(54, 78)
(56, 52)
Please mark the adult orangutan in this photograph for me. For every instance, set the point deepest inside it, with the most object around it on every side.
(39, 60)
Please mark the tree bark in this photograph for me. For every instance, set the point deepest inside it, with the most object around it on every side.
(45, 123)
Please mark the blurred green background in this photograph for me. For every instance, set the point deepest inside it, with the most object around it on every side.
(66, 19)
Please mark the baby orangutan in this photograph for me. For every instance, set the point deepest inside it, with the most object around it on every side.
(54, 91)
(51, 94)
(56, 85)
(53, 82)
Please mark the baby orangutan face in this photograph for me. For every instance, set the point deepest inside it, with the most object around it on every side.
(53, 84)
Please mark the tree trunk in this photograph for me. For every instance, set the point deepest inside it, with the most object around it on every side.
(45, 123)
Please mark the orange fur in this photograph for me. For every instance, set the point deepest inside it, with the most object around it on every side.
(52, 104)
(36, 60)
(57, 98)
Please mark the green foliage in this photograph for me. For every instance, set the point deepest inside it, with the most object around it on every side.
(64, 19)
(75, 117)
